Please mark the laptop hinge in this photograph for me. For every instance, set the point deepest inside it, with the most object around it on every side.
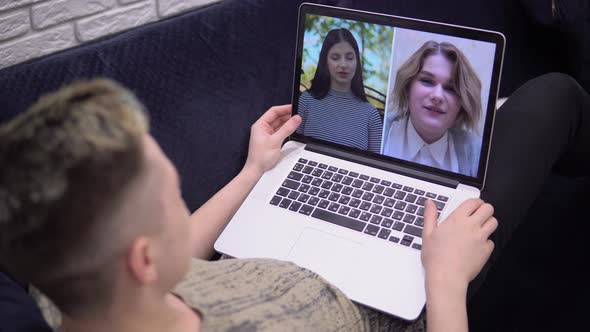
(421, 175)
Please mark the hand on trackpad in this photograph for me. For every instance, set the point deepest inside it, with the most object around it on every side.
(328, 255)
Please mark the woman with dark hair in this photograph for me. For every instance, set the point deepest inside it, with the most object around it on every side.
(335, 108)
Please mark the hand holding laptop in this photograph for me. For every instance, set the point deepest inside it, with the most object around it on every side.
(267, 136)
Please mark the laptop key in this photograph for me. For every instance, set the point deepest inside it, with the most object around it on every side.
(347, 180)
(417, 246)
(295, 176)
(398, 226)
(400, 205)
(387, 223)
(312, 163)
(365, 216)
(368, 186)
(307, 179)
(342, 171)
(285, 203)
(344, 210)
(394, 239)
(298, 167)
(334, 197)
(411, 198)
(419, 192)
(283, 192)
(303, 160)
(291, 184)
(303, 198)
(339, 220)
(347, 190)
(344, 200)
(275, 200)
(365, 206)
(386, 212)
(378, 189)
(375, 180)
(384, 233)
(378, 199)
(400, 195)
(357, 183)
(324, 194)
(354, 213)
(376, 209)
(396, 186)
(326, 185)
(327, 175)
(307, 170)
(357, 193)
(306, 209)
(412, 230)
(295, 206)
(389, 192)
(411, 208)
(442, 198)
(419, 222)
(333, 169)
(317, 172)
(439, 205)
(431, 195)
(323, 203)
(364, 177)
(408, 189)
(293, 195)
(376, 219)
(337, 177)
(334, 207)
(398, 215)
(385, 183)
(355, 202)
(316, 182)
(409, 218)
(353, 174)
(389, 202)
(372, 230)
(313, 191)
(313, 201)
(323, 166)
(368, 196)
(337, 187)
(304, 188)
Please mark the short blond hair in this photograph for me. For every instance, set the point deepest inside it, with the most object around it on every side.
(465, 80)
(66, 163)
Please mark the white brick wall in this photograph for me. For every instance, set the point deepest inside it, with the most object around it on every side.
(33, 28)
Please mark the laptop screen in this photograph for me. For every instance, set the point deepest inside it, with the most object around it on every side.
(418, 93)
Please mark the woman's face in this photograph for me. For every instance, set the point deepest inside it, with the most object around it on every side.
(434, 103)
(341, 65)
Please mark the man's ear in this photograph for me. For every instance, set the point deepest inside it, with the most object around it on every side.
(141, 261)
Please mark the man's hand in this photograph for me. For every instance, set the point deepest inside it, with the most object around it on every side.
(455, 250)
(266, 137)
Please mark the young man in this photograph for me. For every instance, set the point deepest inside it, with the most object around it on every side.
(91, 214)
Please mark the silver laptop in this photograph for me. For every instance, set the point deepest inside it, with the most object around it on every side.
(395, 111)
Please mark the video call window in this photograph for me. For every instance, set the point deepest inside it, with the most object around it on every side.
(412, 95)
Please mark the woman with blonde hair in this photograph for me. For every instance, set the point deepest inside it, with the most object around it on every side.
(436, 108)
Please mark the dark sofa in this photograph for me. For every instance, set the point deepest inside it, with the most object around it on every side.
(207, 75)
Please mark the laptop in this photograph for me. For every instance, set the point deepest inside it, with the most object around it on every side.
(346, 199)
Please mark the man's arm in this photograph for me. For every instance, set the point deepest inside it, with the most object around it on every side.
(453, 253)
(266, 138)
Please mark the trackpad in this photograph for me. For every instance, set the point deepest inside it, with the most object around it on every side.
(338, 260)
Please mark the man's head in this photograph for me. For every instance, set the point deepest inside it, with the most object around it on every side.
(89, 204)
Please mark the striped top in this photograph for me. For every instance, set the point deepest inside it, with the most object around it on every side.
(341, 117)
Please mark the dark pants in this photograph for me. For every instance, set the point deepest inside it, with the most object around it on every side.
(543, 127)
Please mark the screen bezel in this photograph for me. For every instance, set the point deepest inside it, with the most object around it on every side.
(413, 24)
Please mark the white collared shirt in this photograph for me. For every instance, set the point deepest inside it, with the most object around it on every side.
(403, 142)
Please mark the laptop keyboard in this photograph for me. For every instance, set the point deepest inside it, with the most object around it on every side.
(380, 208)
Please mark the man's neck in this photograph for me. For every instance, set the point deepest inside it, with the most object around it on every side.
(169, 314)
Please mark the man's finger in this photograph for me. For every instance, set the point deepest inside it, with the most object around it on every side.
(489, 226)
(430, 217)
(483, 213)
(287, 128)
(275, 112)
(276, 124)
(468, 207)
